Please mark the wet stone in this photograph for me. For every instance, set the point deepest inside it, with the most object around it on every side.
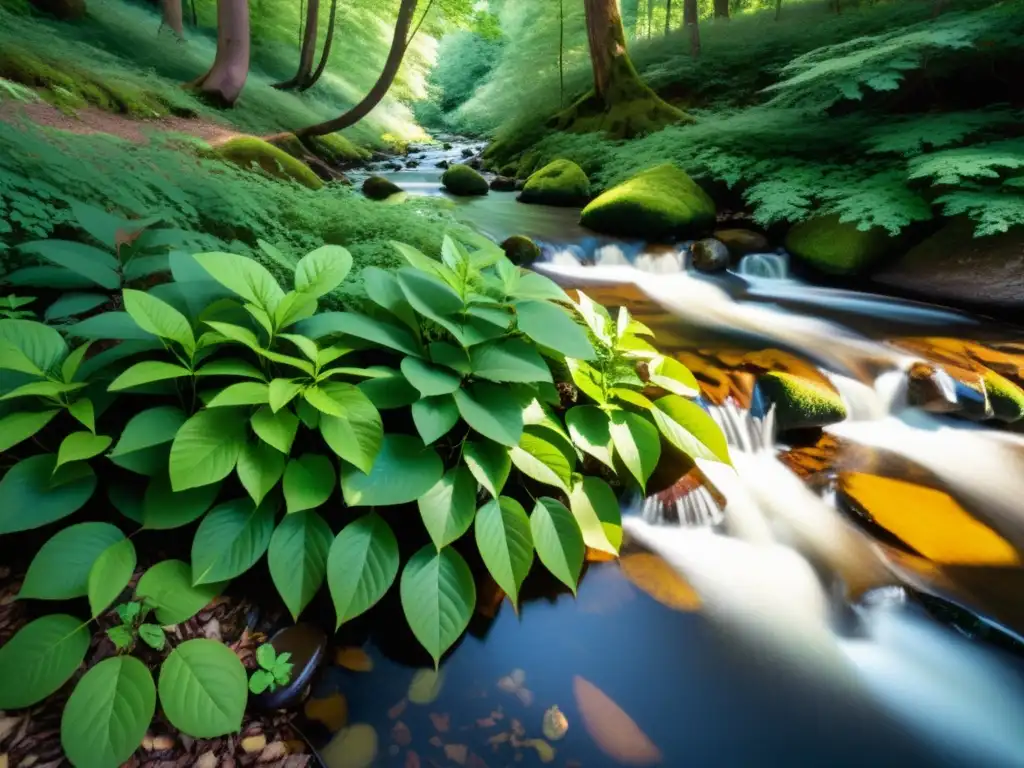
(503, 184)
(307, 645)
(931, 389)
(709, 255)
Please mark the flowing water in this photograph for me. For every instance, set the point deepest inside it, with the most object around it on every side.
(849, 598)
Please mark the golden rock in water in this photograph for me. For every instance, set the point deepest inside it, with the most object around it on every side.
(555, 724)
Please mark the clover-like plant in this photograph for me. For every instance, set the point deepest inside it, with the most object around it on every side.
(275, 669)
(133, 627)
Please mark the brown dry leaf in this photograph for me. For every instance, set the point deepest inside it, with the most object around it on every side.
(611, 728)
(555, 724)
(355, 659)
(650, 574)
(396, 711)
(456, 752)
(544, 750)
(401, 735)
(598, 556)
(412, 760)
(354, 747)
(442, 722)
(426, 686)
(331, 711)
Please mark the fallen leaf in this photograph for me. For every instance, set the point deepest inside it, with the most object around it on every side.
(499, 738)
(331, 711)
(353, 747)
(517, 728)
(650, 574)
(426, 686)
(544, 750)
(355, 659)
(555, 724)
(401, 735)
(456, 752)
(611, 728)
(442, 722)
(487, 722)
(412, 760)
(396, 711)
(498, 714)
(475, 761)
(435, 741)
(508, 685)
(252, 744)
(525, 696)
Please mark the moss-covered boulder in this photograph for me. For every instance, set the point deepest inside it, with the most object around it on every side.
(379, 188)
(463, 180)
(1006, 398)
(660, 203)
(521, 249)
(800, 402)
(246, 151)
(527, 164)
(503, 184)
(560, 182)
(335, 149)
(838, 248)
(509, 169)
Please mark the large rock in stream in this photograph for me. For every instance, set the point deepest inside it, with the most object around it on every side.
(465, 181)
(838, 248)
(799, 402)
(379, 188)
(661, 203)
(560, 182)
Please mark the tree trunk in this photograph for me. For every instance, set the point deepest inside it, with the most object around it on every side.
(226, 78)
(307, 51)
(690, 21)
(668, 16)
(561, 53)
(650, 18)
(195, 17)
(173, 17)
(326, 53)
(778, 9)
(721, 9)
(399, 44)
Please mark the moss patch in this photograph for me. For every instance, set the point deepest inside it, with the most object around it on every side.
(244, 151)
(660, 203)
(800, 402)
(463, 180)
(335, 149)
(379, 188)
(838, 248)
(1006, 398)
(521, 249)
(527, 164)
(561, 182)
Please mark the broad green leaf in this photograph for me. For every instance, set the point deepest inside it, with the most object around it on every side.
(539, 415)
(434, 417)
(389, 389)
(448, 508)
(275, 429)
(489, 463)
(551, 326)
(321, 271)
(60, 569)
(230, 539)
(40, 658)
(84, 412)
(403, 471)
(298, 558)
(159, 318)
(417, 259)
(430, 380)
(586, 378)
(203, 689)
(109, 575)
(491, 411)
(244, 276)
(542, 460)
(54, 278)
(355, 437)
(361, 566)
(294, 362)
(307, 414)
(149, 461)
(383, 289)
(30, 496)
(632, 397)
(243, 336)
(589, 428)
(637, 444)
(558, 540)
(164, 509)
(154, 426)
(361, 327)
(533, 285)
(21, 425)
(689, 428)
(503, 537)
(85, 260)
(305, 346)
(294, 307)
(71, 304)
(596, 509)
(508, 360)
(308, 482)
(438, 597)
(672, 376)
(231, 367)
(449, 356)
(146, 373)
(106, 228)
(323, 402)
(81, 446)
(108, 713)
(110, 325)
(597, 318)
(260, 467)
(50, 389)
(126, 499)
(282, 392)
(153, 636)
(73, 362)
(167, 586)
(206, 448)
(428, 295)
(242, 393)
(30, 347)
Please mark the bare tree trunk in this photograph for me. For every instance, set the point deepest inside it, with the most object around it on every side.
(778, 9)
(399, 44)
(230, 69)
(326, 53)
(690, 22)
(195, 16)
(307, 51)
(173, 17)
(668, 16)
(721, 9)
(650, 18)
(561, 49)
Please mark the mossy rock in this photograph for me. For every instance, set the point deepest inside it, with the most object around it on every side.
(509, 169)
(379, 188)
(560, 182)
(657, 204)
(1006, 398)
(521, 249)
(800, 402)
(838, 248)
(289, 142)
(527, 164)
(335, 149)
(245, 151)
(463, 180)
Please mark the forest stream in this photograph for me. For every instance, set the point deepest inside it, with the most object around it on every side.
(858, 585)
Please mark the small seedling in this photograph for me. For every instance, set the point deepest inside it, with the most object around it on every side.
(132, 616)
(274, 669)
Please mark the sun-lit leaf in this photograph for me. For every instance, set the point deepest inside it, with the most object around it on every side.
(587, 379)
(506, 545)
(203, 689)
(110, 574)
(689, 428)
(298, 558)
(589, 428)
(489, 410)
(356, 436)
(308, 482)
(21, 425)
(542, 460)
(206, 448)
(434, 417)
(231, 367)
(231, 538)
(30, 347)
(84, 412)
(148, 372)
(321, 271)
(153, 636)
(558, 540)
(241, 394)
(275, 429)
(448, 508)
(60, 569)
(596, 509)
(489, 463)
(40, 658)
(244, 276)
(438, 597)
(260, 467)
(551, 326)
(159, 318)
(403, 471)
(361, 566)
(672, 376)
(167, 586)
(637, 444)
(81, 446)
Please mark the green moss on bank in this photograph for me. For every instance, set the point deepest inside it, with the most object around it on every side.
(335, 149)
(561, 182)
(838, 248)
(1006, 398)
(245, 151)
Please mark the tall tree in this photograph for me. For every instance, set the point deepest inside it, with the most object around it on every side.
(690, 22)
(326, 53)
(224, 81)
(650, 17)
(561, 53)
(172, 17)
(668, 16)
(721, 9)
(307, 51)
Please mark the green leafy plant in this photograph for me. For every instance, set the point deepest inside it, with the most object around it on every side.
(11, 307)
(275, 669)
(133, 627)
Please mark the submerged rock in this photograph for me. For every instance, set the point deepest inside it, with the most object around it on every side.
(467, 152)
(521, 249)
(503, 184)
(709, 255)
(442, 164)
(307, 645)
(463, 180)
(1006, 398)
(659, 203)
(800, 402)
(246, 151)
(379, 188)
(838, 248)
(560, 182)
(931, 389)
(740, 242)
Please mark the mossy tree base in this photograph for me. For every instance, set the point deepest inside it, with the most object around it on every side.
(641, 113)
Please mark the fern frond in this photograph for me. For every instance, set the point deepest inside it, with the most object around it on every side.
(982, 161)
